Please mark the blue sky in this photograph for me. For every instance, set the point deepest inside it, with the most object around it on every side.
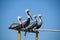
(10, 9)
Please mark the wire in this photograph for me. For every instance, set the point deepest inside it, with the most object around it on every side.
(47, 30)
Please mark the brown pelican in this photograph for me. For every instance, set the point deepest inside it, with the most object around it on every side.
(40, 23)
(32, 25)
(16, 25)
(26, 22)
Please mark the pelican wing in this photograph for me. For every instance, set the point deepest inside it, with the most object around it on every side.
(26, 22)
(15, 26)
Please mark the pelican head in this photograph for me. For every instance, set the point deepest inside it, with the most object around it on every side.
(28, 13)
(39, 15)
(35, 16)
(19, 18)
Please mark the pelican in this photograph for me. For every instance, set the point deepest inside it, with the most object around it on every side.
(40, 22)
(32, 25)
(26, 22)
(16, 26)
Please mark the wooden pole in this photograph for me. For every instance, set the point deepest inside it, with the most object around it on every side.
(19, 35)
(36, 35)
